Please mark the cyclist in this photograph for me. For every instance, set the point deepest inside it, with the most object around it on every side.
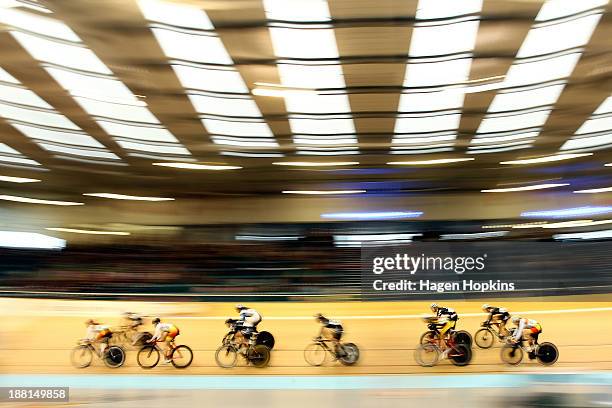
(166, 333)
(447, 317)
(527, 329)
(133, 320)
(98, 334)
(498, 316)
(332, 330)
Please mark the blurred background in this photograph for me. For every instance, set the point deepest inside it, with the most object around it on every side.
(213, 150)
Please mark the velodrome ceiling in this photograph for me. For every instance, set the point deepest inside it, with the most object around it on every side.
(224, 98)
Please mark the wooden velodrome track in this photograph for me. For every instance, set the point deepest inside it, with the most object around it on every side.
(38, 334)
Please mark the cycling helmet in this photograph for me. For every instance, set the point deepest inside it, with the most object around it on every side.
(89, 322)
(156, 320)
(434, 307)
(319, 316)
(515, 319)
(486, 307)
(240, 307)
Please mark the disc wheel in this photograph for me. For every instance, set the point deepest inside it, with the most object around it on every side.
(464, 337)
(427, 355)
(460, 355)
(226, 356)
(429, 337)
(81, 356)
(484, 338)
(114, 357)
(351, 354)
(259, 356)
(181, 356)
(315, 354)
(511, 354)
(547, 354)
(266, 339)
(148, 357)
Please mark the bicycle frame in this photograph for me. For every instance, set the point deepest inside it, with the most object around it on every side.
(490, 325)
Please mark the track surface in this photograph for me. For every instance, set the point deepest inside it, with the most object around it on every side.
(39, 334)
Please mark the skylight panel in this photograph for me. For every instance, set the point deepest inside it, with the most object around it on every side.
(561, 8)
(598, 124)
(321, 126)
(418, 124)
(89, 85)
(19, 160)
(251, 154)
(37, 24)
(421, 140)
(61, 54)
(542, 70)
(434, 9)
(79, 152)
(36, 116)
(443, 38)
(153, 134)
(213, 80)
(297, 10)
(423, 74)
(311, 76)
(325, 141)
(327, 151)
(78, 139)
(182, 15)
(152, 148)
(4, 148)
(318, 104)
(605, 107)
(224, 106)
(235, 128)
(587, 142)
(304, 43)
(500, 123)
(523, 99)
(6, 77)
(117, 111)
(430, 101)
(485, 139)
(192, 47)
(559, 36)
(22, 96)
(244, 142)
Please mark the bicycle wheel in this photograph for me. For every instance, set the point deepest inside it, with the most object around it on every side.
(315, 354)
(81, 356)
(547, 354)
(181, 356)
(259, 355)
(427, 355)
(460, 355)
(114, 357)
(511, 354)
(265, 339)
(351, 354)
(484, 338)
(429, 337)
(148, 357)
(464, 337)
(226, 356)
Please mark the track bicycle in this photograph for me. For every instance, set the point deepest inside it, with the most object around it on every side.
(485, 337)
(149, 355)
(317, 352)
(255, 352)
(459, 336)
(82, 355)
(428, 354)
(513, 352)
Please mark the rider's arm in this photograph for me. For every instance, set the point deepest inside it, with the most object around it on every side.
(519, 330)
(157, 334)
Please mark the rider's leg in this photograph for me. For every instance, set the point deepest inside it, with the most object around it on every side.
(443, 332)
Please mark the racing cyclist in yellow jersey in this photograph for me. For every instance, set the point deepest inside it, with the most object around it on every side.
(166, 333)
(448, 317)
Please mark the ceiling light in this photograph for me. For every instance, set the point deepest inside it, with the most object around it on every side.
(18, 179)
(433, 161)
(127, 197)
(594, 190)
(37, 201)
(546, 159)
(604, 234)
(476, 235)
(568, 212)
(196, 166)
(524, 188)
(316, 164)
(373, 215)
(12, 239)
(323, 192)
(91, 232)
(576, 224)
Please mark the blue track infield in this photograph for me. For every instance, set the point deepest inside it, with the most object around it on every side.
(263, 382)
